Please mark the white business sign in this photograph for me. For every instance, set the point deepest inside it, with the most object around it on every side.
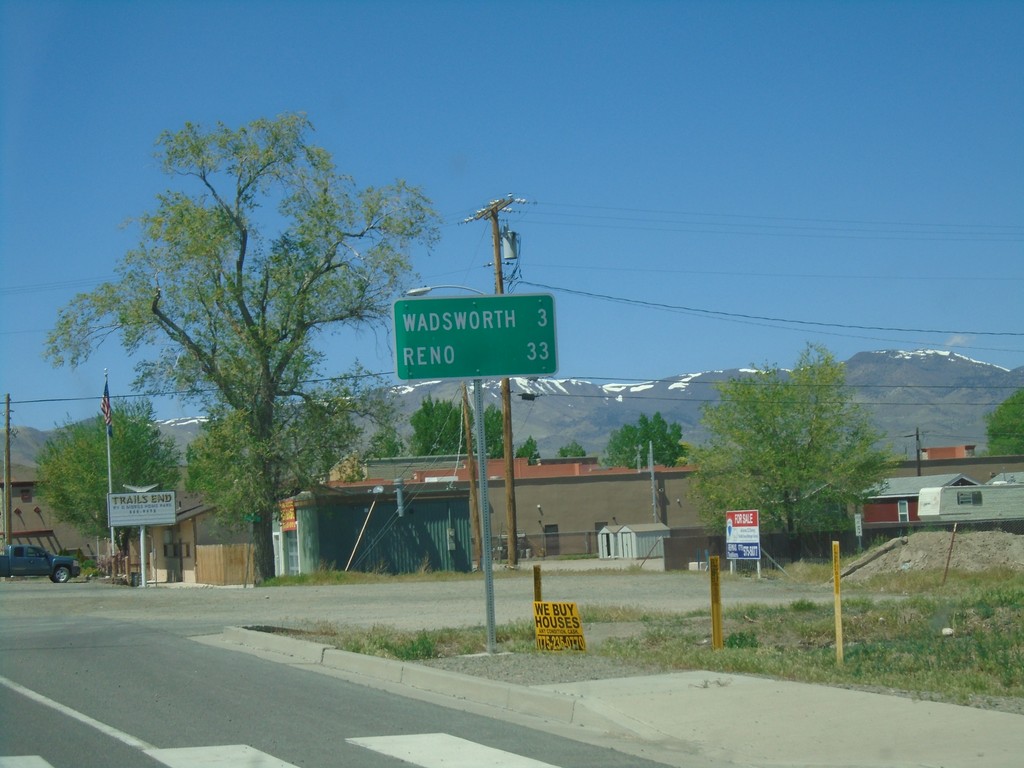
(132, 509)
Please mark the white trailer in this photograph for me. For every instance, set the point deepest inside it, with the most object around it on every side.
(974, 503)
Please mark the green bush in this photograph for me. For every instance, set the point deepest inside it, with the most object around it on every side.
(420, 646)
(741, 640)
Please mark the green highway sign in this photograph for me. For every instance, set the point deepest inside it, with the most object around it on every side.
(471, 337)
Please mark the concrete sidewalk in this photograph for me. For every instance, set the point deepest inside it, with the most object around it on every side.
(756, 721)
(699, 718)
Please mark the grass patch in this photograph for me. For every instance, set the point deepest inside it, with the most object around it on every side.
(961, 642)
(390, 643)
(958, 643)
(325, 577)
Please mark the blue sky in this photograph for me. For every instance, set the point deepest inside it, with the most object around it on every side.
(697, 172)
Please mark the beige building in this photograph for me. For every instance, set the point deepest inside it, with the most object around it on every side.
(33, 522)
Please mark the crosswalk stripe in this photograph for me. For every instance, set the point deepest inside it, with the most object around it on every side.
(226, 756)
(25, 761)
(442, 750)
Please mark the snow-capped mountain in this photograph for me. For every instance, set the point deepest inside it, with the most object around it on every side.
(943, 395)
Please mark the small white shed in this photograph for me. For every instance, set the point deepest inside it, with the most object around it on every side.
(642, 540)
(608, 545)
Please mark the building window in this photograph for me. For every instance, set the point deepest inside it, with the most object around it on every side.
(26, 494)
(903, 510)
(968, 498)
(181, 549)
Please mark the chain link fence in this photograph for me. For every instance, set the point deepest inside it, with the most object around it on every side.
(691, 548)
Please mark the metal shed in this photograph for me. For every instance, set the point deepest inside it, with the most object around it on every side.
(642, 540)
(608, 545)
(632, 541)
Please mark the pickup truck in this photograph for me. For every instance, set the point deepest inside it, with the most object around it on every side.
(26, 560)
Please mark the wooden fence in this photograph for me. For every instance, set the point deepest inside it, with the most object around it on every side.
(224, 564)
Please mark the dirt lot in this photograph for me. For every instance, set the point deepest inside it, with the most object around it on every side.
(929, 551)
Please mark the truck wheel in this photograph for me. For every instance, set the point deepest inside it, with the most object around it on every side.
(61, 574)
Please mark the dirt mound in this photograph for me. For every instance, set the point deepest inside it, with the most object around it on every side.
(927, 551)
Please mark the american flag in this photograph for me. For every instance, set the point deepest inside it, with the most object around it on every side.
(105, 407)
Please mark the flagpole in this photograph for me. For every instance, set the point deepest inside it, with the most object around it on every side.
(110, 474)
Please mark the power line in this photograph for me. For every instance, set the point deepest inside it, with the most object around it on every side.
(625, 381)
(777, 226)
(791, 275)
(743, 316)
(857, 222)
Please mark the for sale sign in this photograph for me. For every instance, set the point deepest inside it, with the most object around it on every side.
(742, 535)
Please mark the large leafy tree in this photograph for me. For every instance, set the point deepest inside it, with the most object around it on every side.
(494, 435)
(385, 443)
(572, 449)
(437, 429)
(632, 440)
(261, 250)
(1005, 426)
(73, 466)
(793, 445)
(528, 450)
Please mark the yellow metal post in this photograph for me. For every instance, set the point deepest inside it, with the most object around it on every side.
(838, 603)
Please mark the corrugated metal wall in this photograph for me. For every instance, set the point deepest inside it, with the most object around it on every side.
(434, 534)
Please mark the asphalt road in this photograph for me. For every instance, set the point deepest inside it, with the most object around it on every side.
(427, 604)
(108, 677)
(94, 675)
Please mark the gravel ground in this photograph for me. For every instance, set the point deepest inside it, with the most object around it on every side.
(539, 669)
(931, 550)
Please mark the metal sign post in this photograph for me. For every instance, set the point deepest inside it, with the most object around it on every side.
(486, 560)
(469, 338)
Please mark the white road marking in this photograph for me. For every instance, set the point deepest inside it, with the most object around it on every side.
(183, 757)
(442, 750)
(124, 738)
(227, 756)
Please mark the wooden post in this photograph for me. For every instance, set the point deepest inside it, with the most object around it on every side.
(716, 605)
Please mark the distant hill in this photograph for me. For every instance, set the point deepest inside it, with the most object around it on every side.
(945, 396)
(26, 442)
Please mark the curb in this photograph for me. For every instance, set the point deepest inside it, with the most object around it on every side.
(548, 705)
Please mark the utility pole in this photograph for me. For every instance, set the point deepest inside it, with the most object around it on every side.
(917, 442)
(491, 212)
(654, 483)
(917, 448)
(8, 539)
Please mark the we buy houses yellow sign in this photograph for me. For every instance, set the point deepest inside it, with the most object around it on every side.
(558, 627)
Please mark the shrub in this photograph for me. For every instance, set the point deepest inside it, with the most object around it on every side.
(741, 640)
